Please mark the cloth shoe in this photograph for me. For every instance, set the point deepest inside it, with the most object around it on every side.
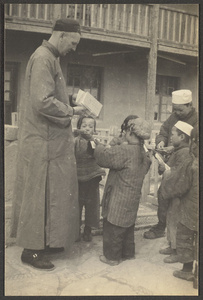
(36, 259)
(166, 251)
(154, 232)
(108, 261)
(189, 276)
(173, 258)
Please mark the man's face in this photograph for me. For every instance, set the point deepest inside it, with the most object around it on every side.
(181, 110)
(67, 42)
(175, 138)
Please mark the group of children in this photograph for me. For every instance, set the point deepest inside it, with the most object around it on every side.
(128, 163)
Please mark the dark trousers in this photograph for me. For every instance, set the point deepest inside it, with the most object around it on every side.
(162, 210)
(118, 242)
(185, 247)
(90, 199)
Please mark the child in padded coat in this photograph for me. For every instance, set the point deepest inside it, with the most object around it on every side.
(187, 229)
(180, 140)
(89, 175)
(128, 165)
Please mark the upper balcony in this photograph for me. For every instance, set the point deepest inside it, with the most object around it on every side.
(127, 24)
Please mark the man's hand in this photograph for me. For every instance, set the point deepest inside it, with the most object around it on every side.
(160, 145)
(80, 110)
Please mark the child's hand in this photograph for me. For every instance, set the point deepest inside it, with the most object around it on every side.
(162, 168)
(83, 134)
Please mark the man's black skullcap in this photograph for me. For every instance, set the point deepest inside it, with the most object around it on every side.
(67, 25)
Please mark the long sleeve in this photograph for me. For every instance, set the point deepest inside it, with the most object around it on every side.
(111, 158)
(178, 182)
(164, 132)
(42, 93)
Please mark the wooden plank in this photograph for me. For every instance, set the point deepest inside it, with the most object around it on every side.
(57, 11)
(100, 15)
(186, 29)
(20, 10)
(131, 18)
(116, 18)
(192, 30)
(180, 27)
(161, 24)
(173, 49)
(146, 23)
(41, 28)
(138, 19)
(10, 9)
(92, 15)
(124, 17)
(196, 40)
(67, 10)
(76, 10)
(168, 25)
(108, 16)
(46, 11)
(174, 26)
(152, 65)
(28, 10)
(83, 14)
(37, 11)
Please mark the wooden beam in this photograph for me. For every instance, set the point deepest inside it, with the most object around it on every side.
(171, 59)
(110, 53)
(152, 65)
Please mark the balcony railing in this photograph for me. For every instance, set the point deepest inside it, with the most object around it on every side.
(175, 27)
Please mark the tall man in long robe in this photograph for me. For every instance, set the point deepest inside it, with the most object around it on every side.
(45, 212)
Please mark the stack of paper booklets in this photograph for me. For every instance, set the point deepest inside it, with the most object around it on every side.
(89, 102)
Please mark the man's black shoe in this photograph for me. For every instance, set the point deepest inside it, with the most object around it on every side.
(36, 260)
(49, 250)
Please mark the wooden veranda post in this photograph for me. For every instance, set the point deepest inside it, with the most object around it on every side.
(152, 65)
(151, 82)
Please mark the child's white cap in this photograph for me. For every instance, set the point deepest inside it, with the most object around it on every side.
(181, 97)
(184, 127)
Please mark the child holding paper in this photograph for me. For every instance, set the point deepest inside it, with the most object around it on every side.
(89, 175)
(180, 140)
(128, 164)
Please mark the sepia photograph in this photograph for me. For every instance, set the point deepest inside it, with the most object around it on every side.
(101, 149)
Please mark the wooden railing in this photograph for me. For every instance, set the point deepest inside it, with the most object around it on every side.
(175, 26)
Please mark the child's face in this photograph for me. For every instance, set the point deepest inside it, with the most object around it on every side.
(175, 138)
(87, 125)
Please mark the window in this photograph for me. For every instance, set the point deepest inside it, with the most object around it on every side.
(10, 92)
(86, 78)
(165, 85)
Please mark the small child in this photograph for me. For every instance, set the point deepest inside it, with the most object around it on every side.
(180, 140)
(187, 229)
(128, 165)
(89, 175)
